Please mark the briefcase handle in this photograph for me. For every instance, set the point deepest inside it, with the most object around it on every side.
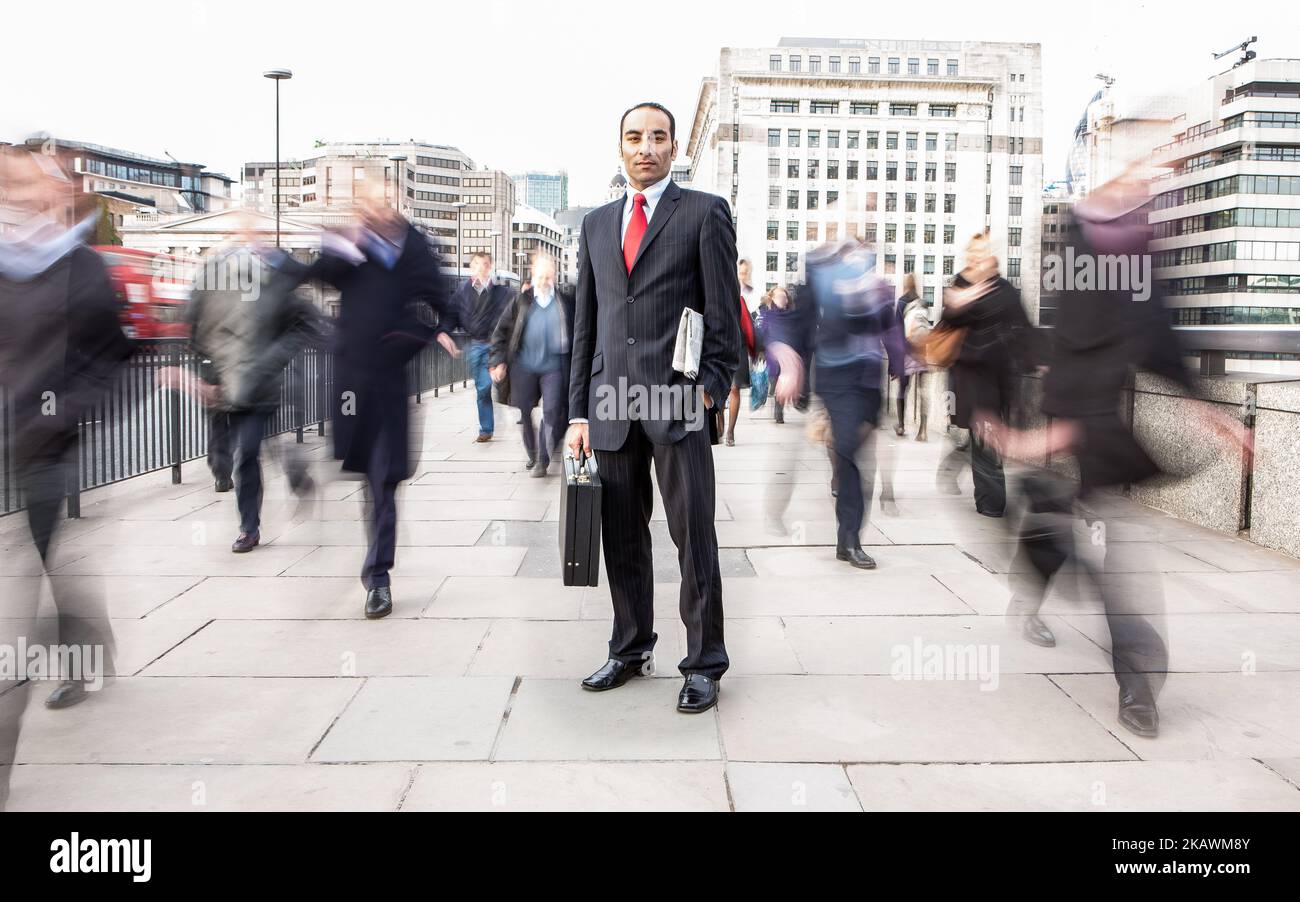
(585, 469)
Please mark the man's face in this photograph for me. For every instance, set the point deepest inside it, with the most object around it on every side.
(647, 148)
(480, 268)
(25, 186)
(544, 276)
(743, 271)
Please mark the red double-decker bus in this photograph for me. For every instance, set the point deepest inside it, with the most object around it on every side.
(152, 291)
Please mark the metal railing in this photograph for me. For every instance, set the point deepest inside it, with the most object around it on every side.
(137, 428)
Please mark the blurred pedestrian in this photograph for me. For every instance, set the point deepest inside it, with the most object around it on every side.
(531, 348)
(478, 305)
(749, 350)
(386, 273)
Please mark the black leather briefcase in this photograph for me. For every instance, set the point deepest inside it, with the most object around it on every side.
(580, 522)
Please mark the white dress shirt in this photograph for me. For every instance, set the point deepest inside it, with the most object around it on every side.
(652, 194)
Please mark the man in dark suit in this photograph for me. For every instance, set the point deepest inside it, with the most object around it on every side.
(385, 271)
(643, 260)
(479, 304)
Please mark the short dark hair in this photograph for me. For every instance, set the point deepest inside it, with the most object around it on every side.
(484, 254)
(650, 104)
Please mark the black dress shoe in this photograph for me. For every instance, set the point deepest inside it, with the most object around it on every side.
(379, 603)
(1038, 632)
(224, 485)
(541, 471)
(246, 542)
(699, 693)
(855, 556)
(67, 694)
(1138, 715)
(528, 464)
(612, 675)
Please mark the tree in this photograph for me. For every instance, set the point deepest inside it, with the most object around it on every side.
(105, 231)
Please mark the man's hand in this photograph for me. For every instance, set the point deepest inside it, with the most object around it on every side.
(578, 440)
(790, 382)
(708, 400)
(448, 345)
(498, 372)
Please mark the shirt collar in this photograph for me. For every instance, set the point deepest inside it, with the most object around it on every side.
(543, 300)
(652, 192)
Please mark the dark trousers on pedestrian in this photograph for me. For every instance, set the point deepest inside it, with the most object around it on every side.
(552, 390)
(247, 430)
(382, 498)
(852, 400)
(986, 472)
(221, 458)
(685, 474)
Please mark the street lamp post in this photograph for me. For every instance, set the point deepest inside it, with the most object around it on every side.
(277, 75)
(460, 253)
(398, 159)
(496, 256)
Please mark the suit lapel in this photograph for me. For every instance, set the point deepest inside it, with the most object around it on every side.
(663, 212)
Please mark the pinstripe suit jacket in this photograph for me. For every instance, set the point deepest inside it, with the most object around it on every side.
(625, 324)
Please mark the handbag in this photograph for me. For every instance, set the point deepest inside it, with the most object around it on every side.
(503, 389)
(759, 385)
(943, 345)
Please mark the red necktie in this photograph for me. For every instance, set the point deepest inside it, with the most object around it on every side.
(635, 231)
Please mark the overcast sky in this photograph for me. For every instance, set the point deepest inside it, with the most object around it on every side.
(537, 84)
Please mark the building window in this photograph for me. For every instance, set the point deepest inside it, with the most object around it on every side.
(792, 168)
(785, 106)
(909, 264)
(891, 264)
(855, 65)
(950, 203)
(835, 64)
(814, 64)
(772, 261)
(893, 65)
(909, 202)
(792, 138)
(833, 139)
(931, 141)
(911, 140)
(928, 265)
(773, 65)
(950, 172)
(909, 234)
(873, 65)
(813, 169)
(1013, 267)
(911, 172)
(773, 197)
(832, 169)
(931, 67)
(988, 173)
(902, 109)
(773, 168)
(947, 266)
(913, 66)
(851, 170)
(792, 231)
(814, 137)
(891, 140)
(832, 231)
(1017, 175)
(792, 200)
(950, 141)
(1014, 205)
(773, 231)
(871, 201)
(863, 108)
(796, 63)
(931, 171)
(1013, 237)
(873, 140)
(791, 262)
(852, 140)
(873, 170)
(824, 107)
(891, 202)
(870, 233)
(943, 110)
(929, 234)
(929, 203)
(952, 67)
(832, 198)
(949, 234)
(891, 171)
(773, 137)
(812, 200)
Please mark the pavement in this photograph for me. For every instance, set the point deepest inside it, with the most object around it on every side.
(254, 681)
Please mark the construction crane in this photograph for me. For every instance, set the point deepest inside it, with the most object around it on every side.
(1243, 49)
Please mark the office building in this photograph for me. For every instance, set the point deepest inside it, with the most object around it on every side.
(545, 191)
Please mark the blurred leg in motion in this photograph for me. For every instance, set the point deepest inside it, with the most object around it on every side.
(851, 404)
(477, 358)
(555, 405)
(248, 428)
(990, 482)
(220, 456)
(921, 388)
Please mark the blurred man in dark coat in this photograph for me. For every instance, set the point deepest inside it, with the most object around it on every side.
(60, 344)
(385, 272)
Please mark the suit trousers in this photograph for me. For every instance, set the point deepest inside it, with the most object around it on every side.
(552, 389)
(248, 428)
(852, 398)
(382, 501)
(685, 474)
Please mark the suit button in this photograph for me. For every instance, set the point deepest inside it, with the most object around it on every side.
(631, 299)
(631, 341)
